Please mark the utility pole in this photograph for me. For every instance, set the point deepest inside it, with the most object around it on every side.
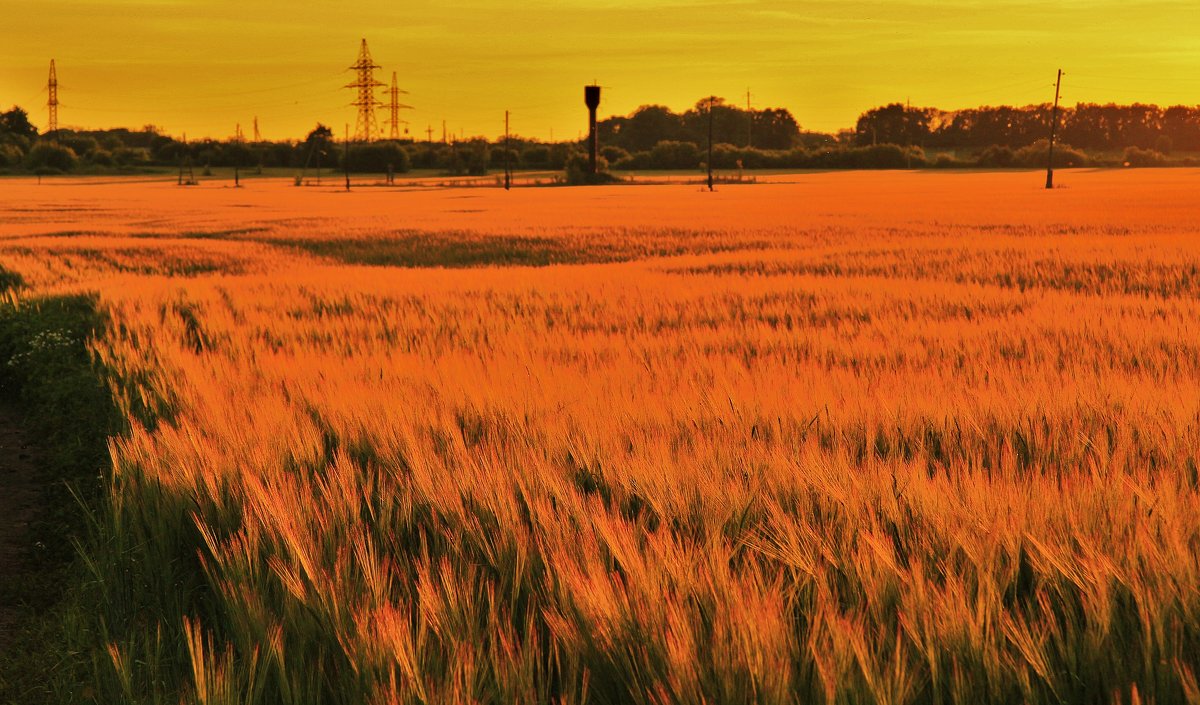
(444, 141)
(346, 155)
(711, 100)
(429, 134)
(237, 158)
(320, 148)
(258, 145)
(749, 122)
(507, 156)
(185, 162)
(52, 103)
(1053, 125)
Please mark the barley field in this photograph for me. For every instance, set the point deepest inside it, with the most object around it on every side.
(842, 438)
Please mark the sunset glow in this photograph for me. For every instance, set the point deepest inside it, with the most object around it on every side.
(203, 66)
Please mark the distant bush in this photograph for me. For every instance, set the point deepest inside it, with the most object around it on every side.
(536, 157)
(637, 160)
(478, 154)
(578, 173)
(131, 156)
(79, 144)
(467, 158)
(878, 156)
(674, 155)
(1035, 155)
(49, 156)
(453, 161)
(101, 157)
(727, 156)
(1144, 157)
(946, 161)
(11, 156)
(375, 157)
(502, 155)
(996, 156)
(424, 156)
(613, 154)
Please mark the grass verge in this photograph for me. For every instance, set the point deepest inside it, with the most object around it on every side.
(47, 371)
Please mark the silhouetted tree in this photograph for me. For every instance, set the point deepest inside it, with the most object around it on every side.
(16, 122)
(773, 128)
(894, 124)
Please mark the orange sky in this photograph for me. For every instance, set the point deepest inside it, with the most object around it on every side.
(202, 66)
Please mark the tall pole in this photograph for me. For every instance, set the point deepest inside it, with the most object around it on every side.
(237, 157)
(711, 100)
(507, 156)
(1053, 126)
(346, 155)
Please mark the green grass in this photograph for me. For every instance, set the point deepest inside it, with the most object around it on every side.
(47, 371)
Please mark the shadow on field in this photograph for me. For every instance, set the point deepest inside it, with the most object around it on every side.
(463, 249)
(445, 250)
(60, 398)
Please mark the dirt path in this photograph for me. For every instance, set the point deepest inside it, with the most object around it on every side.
(18, 497)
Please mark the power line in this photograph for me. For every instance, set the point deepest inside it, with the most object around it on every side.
(711, 100)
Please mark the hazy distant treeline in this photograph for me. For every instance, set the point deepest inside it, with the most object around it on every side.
(657, 138)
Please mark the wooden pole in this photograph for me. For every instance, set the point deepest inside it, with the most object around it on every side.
(1053, 126)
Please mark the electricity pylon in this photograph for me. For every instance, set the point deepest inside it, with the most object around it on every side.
(52, 102)
(396, 106)
(366, 102)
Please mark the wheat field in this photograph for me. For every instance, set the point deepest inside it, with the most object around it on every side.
(840, 438)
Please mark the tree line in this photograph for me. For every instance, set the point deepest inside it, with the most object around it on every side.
(1087, 126)
(655, 137)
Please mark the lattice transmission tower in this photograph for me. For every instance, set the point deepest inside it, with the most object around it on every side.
(396, 106)
(52, 102)
(365, 84)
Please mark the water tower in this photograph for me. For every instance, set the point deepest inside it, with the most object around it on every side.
(591, 97)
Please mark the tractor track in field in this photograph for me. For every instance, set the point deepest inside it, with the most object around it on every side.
(19, 496)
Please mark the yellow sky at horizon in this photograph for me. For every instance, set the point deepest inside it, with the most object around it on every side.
(202, 66)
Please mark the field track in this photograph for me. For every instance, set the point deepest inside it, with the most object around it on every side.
(18, 494)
